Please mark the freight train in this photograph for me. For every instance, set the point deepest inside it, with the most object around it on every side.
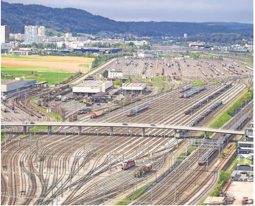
(193, 91)
(206, 113)
(142, 170)
(222, 139)
(137, 109)
(206, 99)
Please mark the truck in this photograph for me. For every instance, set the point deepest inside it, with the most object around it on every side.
(142, 170)
(64, 99)
(96, 114)
(73, 118)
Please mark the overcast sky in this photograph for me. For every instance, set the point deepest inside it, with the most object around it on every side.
(159, 10)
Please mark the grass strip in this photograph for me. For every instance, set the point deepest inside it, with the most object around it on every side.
(215, 80)
(197, 83)
(131, 197)
(167, 87)
(2, 135)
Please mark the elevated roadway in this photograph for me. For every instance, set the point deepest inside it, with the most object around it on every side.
(121, 125)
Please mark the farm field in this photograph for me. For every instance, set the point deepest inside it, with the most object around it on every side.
(66, 63)
(38, 73)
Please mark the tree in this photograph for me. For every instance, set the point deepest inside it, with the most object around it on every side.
(118, 82)
(105, 73)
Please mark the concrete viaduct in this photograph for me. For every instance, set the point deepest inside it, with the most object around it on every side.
(119, 125)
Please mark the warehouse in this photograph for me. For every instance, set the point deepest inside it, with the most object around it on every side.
(88, 88)
(113, 73)
(133, 86)
(9, 86)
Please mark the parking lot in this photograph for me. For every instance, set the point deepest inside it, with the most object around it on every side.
(240, 190)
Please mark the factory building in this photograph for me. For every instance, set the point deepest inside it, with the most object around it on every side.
(89, 88)
(133, 86)
(113, 73)
(145, 55)
(9, 86)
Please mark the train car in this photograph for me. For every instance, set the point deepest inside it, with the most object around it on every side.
(127, 164)
(3, 108)
(73, 118)
(162, 72)
(12, 107)
(137, 109)
(39, 103)
(207, 155)
(142, 170)
(96, 114)
(185, 88)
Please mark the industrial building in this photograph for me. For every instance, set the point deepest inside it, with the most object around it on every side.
(9, 86)
(133, 86)
(113, 73)
(145, 54)
(5, 33)
(88, 88)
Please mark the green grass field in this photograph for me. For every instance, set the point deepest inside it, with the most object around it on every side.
(84, 65)
(39, 73)
(244, 161)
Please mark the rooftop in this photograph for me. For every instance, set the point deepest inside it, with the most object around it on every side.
(90, 83)
(133, 84)
(8, 81)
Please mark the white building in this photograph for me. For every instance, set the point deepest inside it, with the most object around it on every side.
(185, 35)
(92, 87)
(31, 34)
(115, 73)
(145, 55)
(5, 33)
(68, 35)
(41, 38)
(134, 86)
(7, 46)
(41, 31)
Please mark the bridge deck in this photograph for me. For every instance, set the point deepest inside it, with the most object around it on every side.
(148, 126)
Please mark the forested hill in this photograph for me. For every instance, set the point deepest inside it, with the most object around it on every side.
(80, 21)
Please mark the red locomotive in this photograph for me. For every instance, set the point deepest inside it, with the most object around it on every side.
(127, 164)
(12, 107)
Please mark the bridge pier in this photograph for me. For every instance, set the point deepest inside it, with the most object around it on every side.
(143, 132)
(24, 129)
(49, 129)
(79, 130)
(111, 131)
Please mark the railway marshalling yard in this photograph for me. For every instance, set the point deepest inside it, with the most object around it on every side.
(71, 168)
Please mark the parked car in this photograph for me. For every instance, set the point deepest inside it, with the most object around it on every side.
(32, 123)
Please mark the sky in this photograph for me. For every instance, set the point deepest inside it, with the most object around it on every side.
(159, 10)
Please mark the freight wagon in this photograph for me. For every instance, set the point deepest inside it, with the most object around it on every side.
(137, 109)
(127, 164)
(193, 91)
(142, 170)
(96, 114)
